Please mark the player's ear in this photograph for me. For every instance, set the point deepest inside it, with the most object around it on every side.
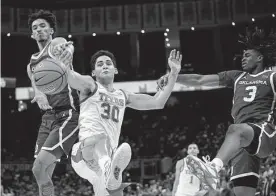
(32, 36)
(93, 73)
(116, 70)
(260, 57)
(52, 31)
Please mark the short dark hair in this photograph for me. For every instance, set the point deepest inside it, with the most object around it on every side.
(101, 53)
(192, 144)
(261, 41)
(43, 14)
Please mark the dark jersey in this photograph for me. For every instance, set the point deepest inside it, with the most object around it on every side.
(254, 95)
(67, 98)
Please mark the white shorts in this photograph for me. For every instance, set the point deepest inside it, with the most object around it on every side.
(86, 133)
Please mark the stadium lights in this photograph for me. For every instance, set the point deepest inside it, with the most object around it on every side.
(166, 34)
(118, 33)
(167, 29)
(69, 36)
(253, 19)
(142, 31)
(233, 23)
(8, 34)
(273, 15)
(168, 44)
(167, 39)
(192, 28)
(94, 34)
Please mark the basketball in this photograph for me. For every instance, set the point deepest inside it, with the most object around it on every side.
(50, 76)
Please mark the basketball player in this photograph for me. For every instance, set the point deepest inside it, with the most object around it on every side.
(186, 183)
(96, 156)
(253, 134)
(59, 127)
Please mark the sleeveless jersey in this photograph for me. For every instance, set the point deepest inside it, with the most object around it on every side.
(254, 95)
(102, 112)
(67, 98)
(188, 184)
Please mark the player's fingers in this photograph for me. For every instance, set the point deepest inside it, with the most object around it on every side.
(171, 54)
(63, 54)
(69, 43)
(180, 58)
(44, 107)
(33, 100)
(177, 55)
(174, 54)
(48, 107)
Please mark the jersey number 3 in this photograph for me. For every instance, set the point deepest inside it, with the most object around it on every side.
(251, 93)
(110, 112)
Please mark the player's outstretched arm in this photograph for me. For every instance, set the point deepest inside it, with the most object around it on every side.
(177, 176)
(158, 101)
(84, 83)
(192, 80)
(198, 80)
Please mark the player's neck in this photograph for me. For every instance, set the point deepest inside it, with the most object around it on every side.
(42, 45)
(257, 70)
(108, 86)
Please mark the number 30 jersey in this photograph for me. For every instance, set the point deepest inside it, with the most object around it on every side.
(102, 112)
(254, 95)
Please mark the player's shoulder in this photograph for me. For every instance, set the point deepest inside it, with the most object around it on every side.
(180, 162)
(233, 74)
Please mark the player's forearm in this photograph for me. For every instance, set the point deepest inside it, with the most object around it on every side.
(79, 82)
(161, 97)
(175, 186)
(189, 79)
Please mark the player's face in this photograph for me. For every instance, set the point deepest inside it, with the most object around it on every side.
(104, 67)
(250, 60)
(193, 150)
(41, 30)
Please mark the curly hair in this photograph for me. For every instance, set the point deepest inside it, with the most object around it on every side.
(101, 53)
(261, 41)
(43, 14)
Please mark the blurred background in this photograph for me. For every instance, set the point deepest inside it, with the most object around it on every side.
(141, 35)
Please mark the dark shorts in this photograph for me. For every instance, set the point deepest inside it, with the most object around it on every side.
(264, 141)
(245, 169)
(58, 129)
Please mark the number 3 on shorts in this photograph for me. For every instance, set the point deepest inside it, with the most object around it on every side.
(251, 93)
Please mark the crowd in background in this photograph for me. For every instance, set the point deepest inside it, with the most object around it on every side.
(155, 134)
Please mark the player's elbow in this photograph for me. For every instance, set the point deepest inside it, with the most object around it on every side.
(160, 105)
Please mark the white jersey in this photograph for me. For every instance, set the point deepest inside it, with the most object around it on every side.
(188, 184)
(102, 112)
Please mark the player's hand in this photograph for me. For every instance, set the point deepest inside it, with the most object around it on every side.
(67, 55)
(174, 61)
(41, 101)
(162, 82)
(64, 52)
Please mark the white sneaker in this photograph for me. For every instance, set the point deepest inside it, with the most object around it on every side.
(205, 171)
(119, 162)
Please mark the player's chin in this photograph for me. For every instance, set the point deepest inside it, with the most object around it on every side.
(41, 39)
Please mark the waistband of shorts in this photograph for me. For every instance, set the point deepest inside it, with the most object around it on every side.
(58, 109)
